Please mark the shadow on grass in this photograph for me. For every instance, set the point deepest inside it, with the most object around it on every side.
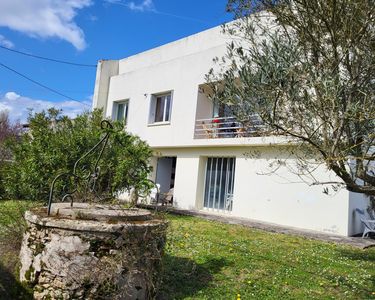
(10, 288)
(183, 277)
(363, 255)
(366, 256)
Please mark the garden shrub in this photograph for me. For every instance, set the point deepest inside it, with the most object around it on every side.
(8, 133)
(55, 142)
(4, 169)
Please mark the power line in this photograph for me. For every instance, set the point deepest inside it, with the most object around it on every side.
(40, 84)
(61, 91)
(49, 59)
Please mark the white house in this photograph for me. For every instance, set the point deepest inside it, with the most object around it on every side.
(204, 153)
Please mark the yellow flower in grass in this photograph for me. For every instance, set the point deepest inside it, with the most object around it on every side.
(238, 297)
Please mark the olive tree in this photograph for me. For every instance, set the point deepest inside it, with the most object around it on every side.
(306, 67)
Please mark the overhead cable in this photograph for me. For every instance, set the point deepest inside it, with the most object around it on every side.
(41, 85)
(49, 59)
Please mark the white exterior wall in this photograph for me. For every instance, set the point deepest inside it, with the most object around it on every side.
(105, 69)
(280, 197)
(180, 67)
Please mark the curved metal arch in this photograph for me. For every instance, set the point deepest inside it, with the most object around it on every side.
(93, 174)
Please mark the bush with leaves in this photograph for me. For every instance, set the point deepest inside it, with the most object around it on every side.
(54, 143)
(8, 133)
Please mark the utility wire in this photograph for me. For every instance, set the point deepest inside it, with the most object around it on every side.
(49, 59)
(40, 84)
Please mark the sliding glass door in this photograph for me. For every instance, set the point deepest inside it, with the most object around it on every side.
(219, 183)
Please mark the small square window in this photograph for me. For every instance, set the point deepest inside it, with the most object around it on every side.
(160, 110)
(120, 111)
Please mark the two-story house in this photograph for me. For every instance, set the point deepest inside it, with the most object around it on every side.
(213, 162)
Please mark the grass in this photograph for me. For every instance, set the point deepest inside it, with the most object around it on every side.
(11, 230)
(210, 260)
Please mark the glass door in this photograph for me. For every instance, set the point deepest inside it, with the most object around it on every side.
(219, 183)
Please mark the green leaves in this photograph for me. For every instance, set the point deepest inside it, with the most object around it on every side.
(53, 145)
(307, 68)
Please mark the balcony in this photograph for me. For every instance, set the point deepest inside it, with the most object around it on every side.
(229, 127)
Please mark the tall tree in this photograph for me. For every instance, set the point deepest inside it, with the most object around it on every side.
(307, 68)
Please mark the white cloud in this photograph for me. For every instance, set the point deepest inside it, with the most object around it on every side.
(4, 107)
(18, 106)
(45, 19)
(5, 42)
(92, 18)
(146, 5)
(12, 96)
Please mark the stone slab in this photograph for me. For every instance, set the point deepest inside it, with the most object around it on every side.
(91, 217)
(98, 212)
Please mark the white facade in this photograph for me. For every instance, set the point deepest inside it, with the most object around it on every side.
(162, 90)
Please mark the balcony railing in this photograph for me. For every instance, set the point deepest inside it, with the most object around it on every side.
(229, 127)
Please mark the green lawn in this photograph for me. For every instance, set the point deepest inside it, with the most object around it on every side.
(210, 260)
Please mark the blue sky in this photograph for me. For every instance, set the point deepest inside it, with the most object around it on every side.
(84, 31)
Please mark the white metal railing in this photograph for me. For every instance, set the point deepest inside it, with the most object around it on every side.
(229, 127)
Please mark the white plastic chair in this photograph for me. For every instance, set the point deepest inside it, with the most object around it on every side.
(369, 225)
(154, 194)
(228, 202)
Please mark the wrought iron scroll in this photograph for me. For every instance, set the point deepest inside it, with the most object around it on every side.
(91, 176)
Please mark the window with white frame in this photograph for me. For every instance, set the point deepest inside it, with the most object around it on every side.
(120, 111)
(160, 109)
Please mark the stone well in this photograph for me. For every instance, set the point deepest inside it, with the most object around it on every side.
(92, 252)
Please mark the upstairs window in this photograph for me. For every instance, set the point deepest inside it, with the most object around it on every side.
(120, 111)
(160, 110)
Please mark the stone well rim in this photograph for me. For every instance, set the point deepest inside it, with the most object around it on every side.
(98, 212)
(39, 217)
